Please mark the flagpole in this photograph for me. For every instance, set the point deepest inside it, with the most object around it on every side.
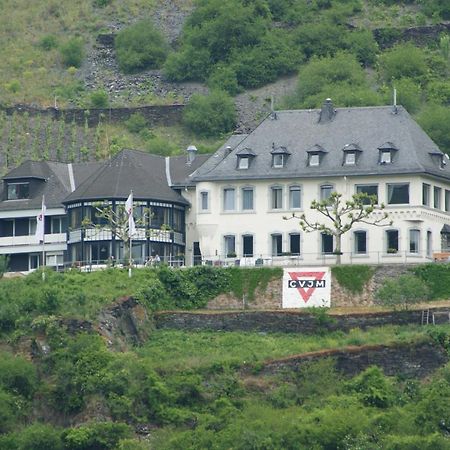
(43, 255)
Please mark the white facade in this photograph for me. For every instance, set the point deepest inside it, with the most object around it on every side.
(244, 221)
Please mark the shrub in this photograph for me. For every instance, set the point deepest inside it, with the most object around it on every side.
(101, 3)
(72, 52)
(224, 78)
(402, 292)
(210, 115)
(48, 42)
(4, 264)
(40, 437)
(354, 277)
(435, 120)
(136, 123)
(408, 94)
(140, 46)
(17, 375)
(99, 99)
(437, 277)
(8, 411)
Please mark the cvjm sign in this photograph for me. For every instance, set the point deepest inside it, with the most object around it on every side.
(306, 287)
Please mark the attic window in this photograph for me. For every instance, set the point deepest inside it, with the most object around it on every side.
(18, 191)
(439, 158)
(314, 159)
(279, 156)
(350, 158)
(244, 158)
(387, 151)
(351, 152)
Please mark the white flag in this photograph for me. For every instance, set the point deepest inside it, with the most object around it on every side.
(40, 223)
(129, 211)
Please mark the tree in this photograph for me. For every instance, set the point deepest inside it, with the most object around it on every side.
(341, 215)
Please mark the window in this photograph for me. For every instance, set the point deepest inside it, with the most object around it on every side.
(7, 227)
(295, 197)
(314, 159)
(243, 162)
(229, 199)
(425, 194)
(447, 200)
(56, 225)
(18, 191)
(414, 241)
(277, 197)
(278, 160)
(204, 201)
(327, 243)
(247, 199)
(392, 241)
(230, 246)
(369, 189)
(429, 244)
(294, 243)
(277, 244)
(325, 191)
(385, 157)
(350, 158)
(398, 193)
(247, 245)
(437, 191)
(360, 239)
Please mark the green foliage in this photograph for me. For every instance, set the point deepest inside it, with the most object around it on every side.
(48, 42)
(435, 120)
(409, 94)
(224, 78)
(10, 412)
(4, 264)
(72, 52)
(96, 436)
(210, 115)
(402, 292)
(101, 3)
(437, 278)
(40, 437)
(373, 388)
(354, 277)
(17, 375)
(136, 123)
(403, 61)
(99, 99)
(140, 46)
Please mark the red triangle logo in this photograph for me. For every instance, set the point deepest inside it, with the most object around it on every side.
(306, 292)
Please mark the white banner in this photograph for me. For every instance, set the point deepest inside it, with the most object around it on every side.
(306, 287)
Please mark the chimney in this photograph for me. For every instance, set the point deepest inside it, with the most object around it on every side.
(327, 112)
(191, 154)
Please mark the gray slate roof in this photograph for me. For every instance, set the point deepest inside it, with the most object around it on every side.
(367, 128)
(180, 170)
(141, 172)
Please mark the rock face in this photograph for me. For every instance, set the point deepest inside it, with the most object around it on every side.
(124, 323)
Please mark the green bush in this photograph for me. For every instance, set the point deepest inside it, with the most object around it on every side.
(101, 3)
(435, 120)
(4, 264)
(99, 99)
(9, 412)
(17, 375)
(224, 78)
(136, 123)
(40, 437)
(437, 278)
(354, 277)
(210, 115)
(402, 292)
(72, 52)
(140, 46)
(48, 42)
(409, 94)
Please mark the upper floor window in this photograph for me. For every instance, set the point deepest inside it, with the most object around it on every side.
(279, 156)
(398, 193)
(426, 194)
(437, 191)
(278, 160)
(245, 157)
(204, 201)
(295, 194)
(447, 201)
(385, 157)
(325, 191)
(369, 189)
(18, 191)
(277, 197)
(351, 152)
(314, 159)
(247, 199)
(243, 162)
(315, 155)
(229, 199)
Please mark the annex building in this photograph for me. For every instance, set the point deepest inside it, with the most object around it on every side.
(228, 208)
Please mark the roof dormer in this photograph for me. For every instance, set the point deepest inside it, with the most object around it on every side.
(351, 154)
(439, 158)
(387, 153)
(315, 155)
(244, 158)
(279, 156)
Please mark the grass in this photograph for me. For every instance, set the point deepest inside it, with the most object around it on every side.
(169, 351)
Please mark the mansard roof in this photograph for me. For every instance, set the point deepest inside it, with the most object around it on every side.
(144, 173)
(302, 131)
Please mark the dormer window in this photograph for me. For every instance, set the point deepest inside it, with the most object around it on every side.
(279, 156)
(439, 158)
(244, 158)
(351, 152)
(18, 191)
(387, 151)
(315, 155)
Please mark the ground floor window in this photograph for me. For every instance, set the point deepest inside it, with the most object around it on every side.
(247, 245)
(294, 243)
(360, 239)
(327, 243)
(414, 241)
(277, 244)
(392, 241)
(230, 246)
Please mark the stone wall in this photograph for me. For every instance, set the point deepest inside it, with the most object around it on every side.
(166, 115)
(408, 360)
(285, 321)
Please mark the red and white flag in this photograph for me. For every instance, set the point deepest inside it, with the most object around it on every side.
(129, 211)
(40, 222)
